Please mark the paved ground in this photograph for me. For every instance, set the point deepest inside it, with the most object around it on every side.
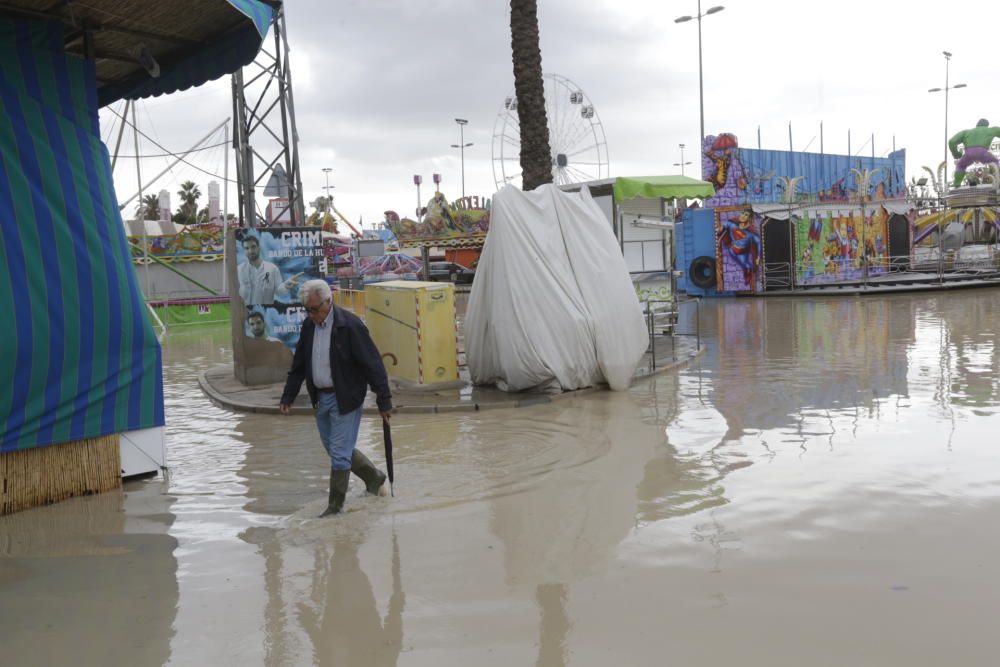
(224, 390)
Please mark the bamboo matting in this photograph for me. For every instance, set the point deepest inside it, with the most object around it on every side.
(43, 475)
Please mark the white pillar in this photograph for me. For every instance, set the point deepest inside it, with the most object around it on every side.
(164, 206)
(213, 202)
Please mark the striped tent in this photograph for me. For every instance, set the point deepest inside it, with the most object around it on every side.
(78, 356)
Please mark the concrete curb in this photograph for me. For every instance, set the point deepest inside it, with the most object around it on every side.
(226, 402)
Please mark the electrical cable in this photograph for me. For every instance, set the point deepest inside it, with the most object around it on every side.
(164, 148)
(195, 150)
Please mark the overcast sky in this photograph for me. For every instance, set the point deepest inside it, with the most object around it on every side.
(378, 84)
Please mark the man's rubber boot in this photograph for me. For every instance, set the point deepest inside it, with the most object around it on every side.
(339, 479)
(362, 466)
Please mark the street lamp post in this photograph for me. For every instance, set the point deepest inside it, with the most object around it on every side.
(417, 180)
(328, 187)
(944, 180)
(461, 145)
(424, 250)
(682, 163)
(701, 85)
(947, 87)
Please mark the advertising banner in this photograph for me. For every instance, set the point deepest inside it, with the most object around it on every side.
(271, 265)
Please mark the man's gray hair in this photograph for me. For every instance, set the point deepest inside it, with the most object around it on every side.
(317, 287)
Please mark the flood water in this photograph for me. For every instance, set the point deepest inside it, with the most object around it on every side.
(820, 488)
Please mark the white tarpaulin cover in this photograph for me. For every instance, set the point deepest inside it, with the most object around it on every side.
(552, 305)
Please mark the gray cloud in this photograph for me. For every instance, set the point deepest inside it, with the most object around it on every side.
(378, 84)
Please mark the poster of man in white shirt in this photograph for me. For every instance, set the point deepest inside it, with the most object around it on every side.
(271, 264)
(261, 280)
(257, 328)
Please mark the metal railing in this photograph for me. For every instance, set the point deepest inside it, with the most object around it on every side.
(186, 297)
(984, 261)
(353, 300)
(778, 275)
(663, 318)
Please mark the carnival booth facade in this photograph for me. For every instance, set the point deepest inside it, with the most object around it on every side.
(783, 220)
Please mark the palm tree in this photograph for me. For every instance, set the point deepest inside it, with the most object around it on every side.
(187, 212)
(148, 208)
(536, 156)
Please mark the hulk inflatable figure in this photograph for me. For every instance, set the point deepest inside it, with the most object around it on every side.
(976, 143)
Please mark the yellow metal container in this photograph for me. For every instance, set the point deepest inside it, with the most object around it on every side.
(413, 325)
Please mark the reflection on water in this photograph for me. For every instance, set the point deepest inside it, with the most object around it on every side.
(73, 575)
(824, 465)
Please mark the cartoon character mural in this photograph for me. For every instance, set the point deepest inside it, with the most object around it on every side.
(722, 167)
(737, 232)
(836, 245)
(748, 175)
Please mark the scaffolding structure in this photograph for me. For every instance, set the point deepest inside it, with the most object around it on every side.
(265, 134)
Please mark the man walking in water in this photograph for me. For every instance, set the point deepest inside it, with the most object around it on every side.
(338, 361)
(976, 143)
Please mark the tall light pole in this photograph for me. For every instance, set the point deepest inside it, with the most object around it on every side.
(328, 187)
(682, 162)
(462, 146)
(701, 85)
(417, 180)
(425, 252)
(947, 62)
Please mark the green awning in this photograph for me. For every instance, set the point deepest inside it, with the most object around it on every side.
(668, 187)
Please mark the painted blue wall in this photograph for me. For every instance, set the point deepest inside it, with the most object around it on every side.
(695, 238)
(749, 176)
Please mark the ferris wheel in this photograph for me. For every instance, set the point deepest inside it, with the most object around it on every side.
(576, 136)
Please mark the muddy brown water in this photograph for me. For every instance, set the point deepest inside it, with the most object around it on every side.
(820, 488)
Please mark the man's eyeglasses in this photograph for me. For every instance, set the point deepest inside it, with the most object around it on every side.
(314, 310)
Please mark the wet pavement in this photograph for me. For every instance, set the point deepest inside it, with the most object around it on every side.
(817, 489)
(224, 390)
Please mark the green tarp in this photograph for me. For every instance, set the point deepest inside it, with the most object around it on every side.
(668, 187)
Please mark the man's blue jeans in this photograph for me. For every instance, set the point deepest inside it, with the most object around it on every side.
(338, 432)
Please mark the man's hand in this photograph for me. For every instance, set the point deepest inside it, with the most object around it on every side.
(285, 409)
(386, 415)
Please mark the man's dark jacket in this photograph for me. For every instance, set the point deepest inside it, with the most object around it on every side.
(354, 364)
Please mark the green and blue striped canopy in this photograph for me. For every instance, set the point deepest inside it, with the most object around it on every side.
(78, 356)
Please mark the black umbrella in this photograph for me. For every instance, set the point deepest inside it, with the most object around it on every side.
(387, 437)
